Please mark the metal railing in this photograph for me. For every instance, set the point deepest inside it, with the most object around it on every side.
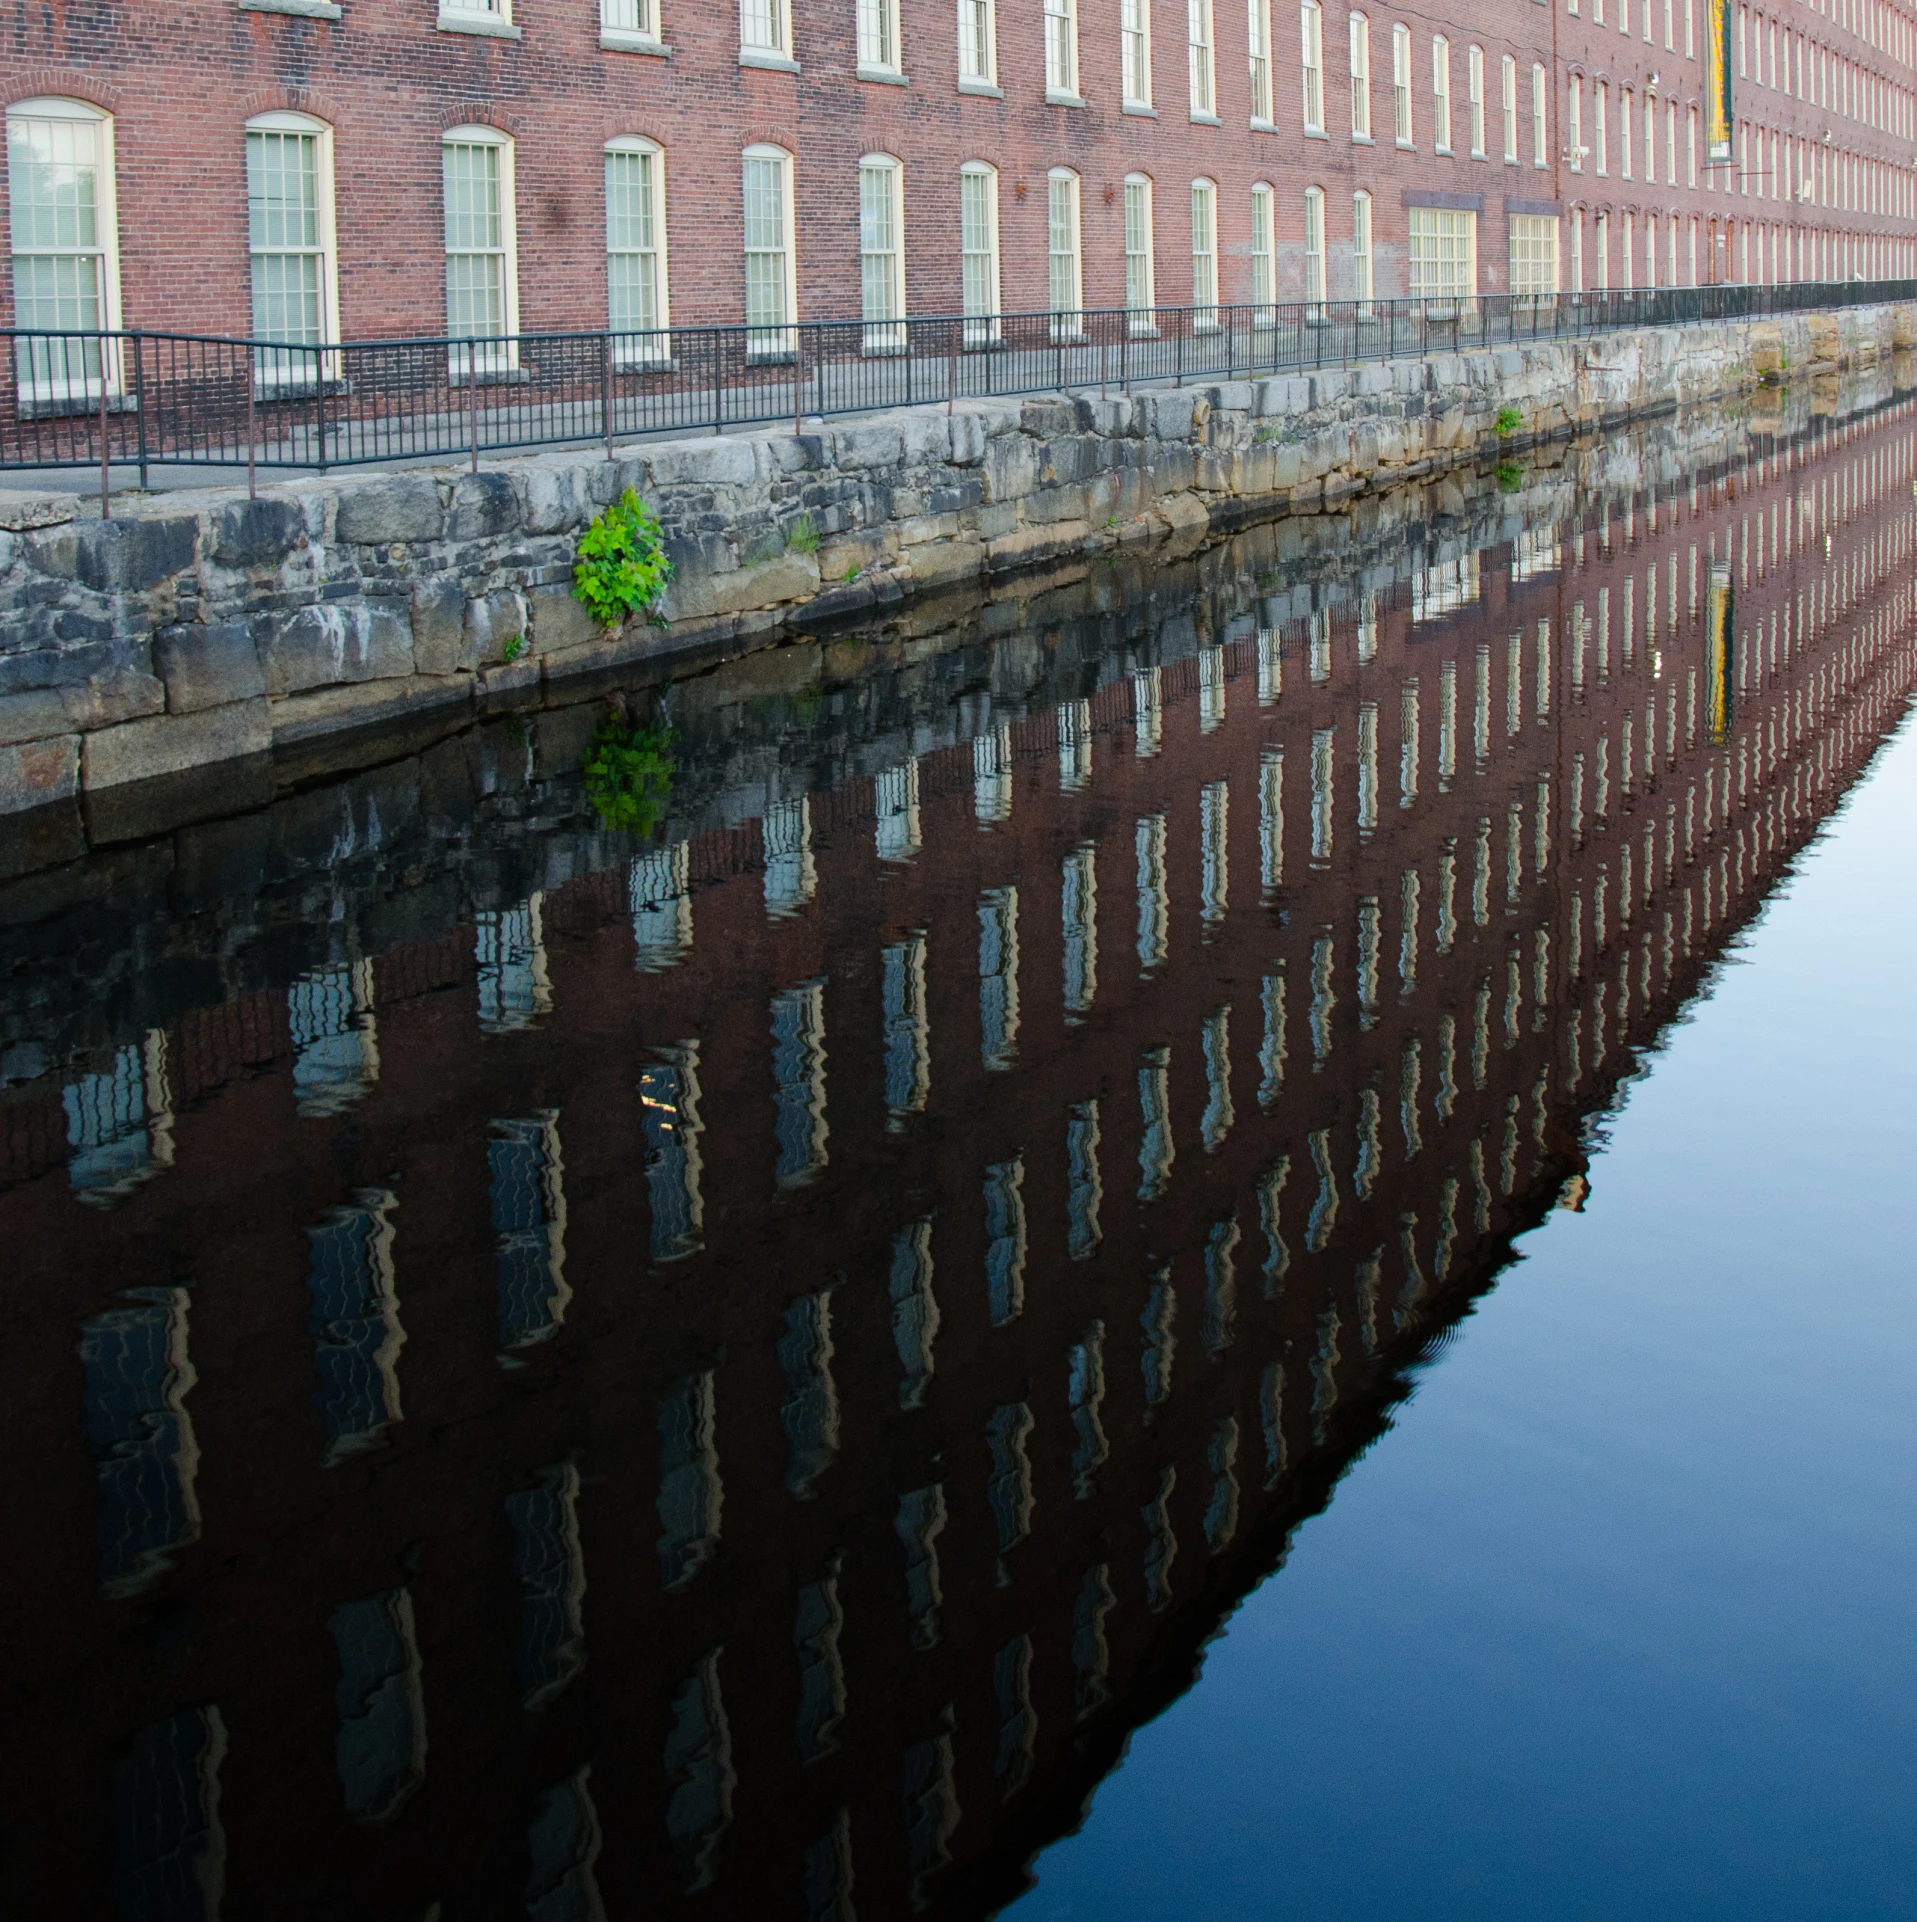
(144, 399)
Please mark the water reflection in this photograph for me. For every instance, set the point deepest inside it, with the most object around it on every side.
(729, 1372)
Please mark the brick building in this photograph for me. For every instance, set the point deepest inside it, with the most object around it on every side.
(752, 1362)
(312, 170)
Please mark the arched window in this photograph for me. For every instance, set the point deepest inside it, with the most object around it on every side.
(1576, 141)
(1311, 21)
(1315, 247)
(1401, 84)
(1204, 253)
(482, 248)
(1361, 268)
(1263, 283)
(1064, 278)
(882, 252)
(1440, 94)
(291, 244)
(638, 304)
(1540, 130)
(978, 251)
(1140, 277)
(1360, 77)
(1474, 95)
(65, 246)
(771, 271)
(1508, 102)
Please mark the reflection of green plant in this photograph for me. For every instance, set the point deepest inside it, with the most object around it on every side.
(629, 773)
(622, 567)
(513, 649)
(1510, 477)
(1508, 422)
(802, 537)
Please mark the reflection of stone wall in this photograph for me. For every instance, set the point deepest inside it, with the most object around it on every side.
(839, 1304)
(197, 630)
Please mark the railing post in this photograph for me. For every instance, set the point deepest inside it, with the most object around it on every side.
(252, 432)
(718, 377)
(605, 389)
(472, 402)
(106, 488)
(139, 407)
(798, 381)
(951, 370)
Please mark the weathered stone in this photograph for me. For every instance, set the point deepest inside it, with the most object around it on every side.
(1011, 468)
(20, 510)
(439, 625)
(117, 556)
(560, 620)
(1188, 520)
(339, 641)
(112, 693)
(170, 743)
(792, 577)
(394, 507)
(719, 462)
(334, 710)
(868, 444)
(208, 666)
(554, 500)
(493, 622)
(36, 773)
(483, 505)
(256, 533)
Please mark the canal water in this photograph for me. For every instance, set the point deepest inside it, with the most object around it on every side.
(1215, 1238)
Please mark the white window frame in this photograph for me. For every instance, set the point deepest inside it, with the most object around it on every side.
(1204, 254)
(1314, 251)
(1201, 61)
(631, 26)
(1576, 142)
(1135, 55)
(649, 347)
(1626, 132)
(880, 50)
(1540, 117)
(1061, 53)
(882, 189)
(1363, 268)
(1311, 55)
(1264, 254)
(978, 46)
(1508, 104)
(272, 373)
(38, 384)
(468, 355)
(1601, 105)
(490, 18)
(982, 324)
(1141, 266)
(1474, 95)
(775, 339)
(1064, 193)
(1440, 94)
(1539, 234)
(1360, 77)
(765, 35)
(1434, 258)
(1402, 113)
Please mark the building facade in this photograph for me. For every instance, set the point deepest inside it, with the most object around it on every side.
(316, 170)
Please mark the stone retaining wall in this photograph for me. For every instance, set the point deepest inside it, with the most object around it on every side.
(194, 630)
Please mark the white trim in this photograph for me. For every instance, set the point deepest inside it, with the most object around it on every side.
(481, 136)
(987, 330)
(655, 348)
(1204, 298)
(1066, 176)
(776, 53)
(617, 37)
(788, 215)
(1135, 25)
(492, 19)
(985, 80)
(885, 333)
(301, 9)
(1141, 315)
(328, 249)
(882, 15)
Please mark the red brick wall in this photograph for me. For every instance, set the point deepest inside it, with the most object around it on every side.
(182, 80)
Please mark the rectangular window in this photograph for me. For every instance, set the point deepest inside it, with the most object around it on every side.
(1198, 49)
(769, 293)
(1474, 93)
(1440, 94)
(1626, 116)
(289, 222)
(1204, 253)
(978, 252)
(1360, 77)
(1139, 300)
(1258, 16)
(1444, 250)
(1603, 104)
(1540, 127)
(881, 257)
(1263, 282)
(1312, 35)
(879, 35)
(1361, 277)
(1401, 84)
(621, 21)
(1577, 123)
(1508, 101)
(978, 42)
(65, 267)
(481, 295)
(636, 252)
(1061, 251)
(1670, 27)
(1314, 246)
(1534, 254)
(1061, 49)
(1650, 138)
(1690, 30)
(1135, 50)
(765, 27)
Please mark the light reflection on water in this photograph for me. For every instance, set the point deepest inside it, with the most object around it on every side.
(730, 1373)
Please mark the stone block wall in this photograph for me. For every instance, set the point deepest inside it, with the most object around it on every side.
(196, 629)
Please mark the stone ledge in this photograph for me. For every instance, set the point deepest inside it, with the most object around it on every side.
(330, 710)
(173, 743)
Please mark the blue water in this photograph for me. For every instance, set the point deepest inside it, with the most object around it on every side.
(1620, 1621)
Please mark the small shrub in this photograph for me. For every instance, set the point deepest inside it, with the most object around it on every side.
(1510, 477)
(1508, 422)
(802, 537)
(622, 569)
(851, 574)
(515, 647)
(628, 773)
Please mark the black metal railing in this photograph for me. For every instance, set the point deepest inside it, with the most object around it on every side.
(143, 399)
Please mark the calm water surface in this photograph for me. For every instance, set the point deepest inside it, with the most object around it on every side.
(1328, 1121)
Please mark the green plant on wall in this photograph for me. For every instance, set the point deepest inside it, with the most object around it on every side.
(514, 647)
(1510, 477)
(622, 569)
(802, 537)
(1508, 422)
(628, 773)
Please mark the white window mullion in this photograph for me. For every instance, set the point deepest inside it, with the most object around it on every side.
(1311, 31)
(882, 253)
(482, 295)
(1360, 77)
(978, 252)
(1202, 70)
(638, 305)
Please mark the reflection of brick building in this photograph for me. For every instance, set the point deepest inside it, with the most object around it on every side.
(760, 1363)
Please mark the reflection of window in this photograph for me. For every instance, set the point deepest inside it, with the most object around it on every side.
(355, 1320)
(978, 250)
(65, 240)
(998, 978)
(290, 240)
(881, 252)
(658, 892)
(482, 265)
(908, 1030)
(798, 1072)
(335, 1044)
(119, 1124)
(166, 1809)
(1079, 913)
(552, 1579)
(509, 945)
(896, 826)
(529, 1220)
(381, 1749)
(636, 300)
(791, 875)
